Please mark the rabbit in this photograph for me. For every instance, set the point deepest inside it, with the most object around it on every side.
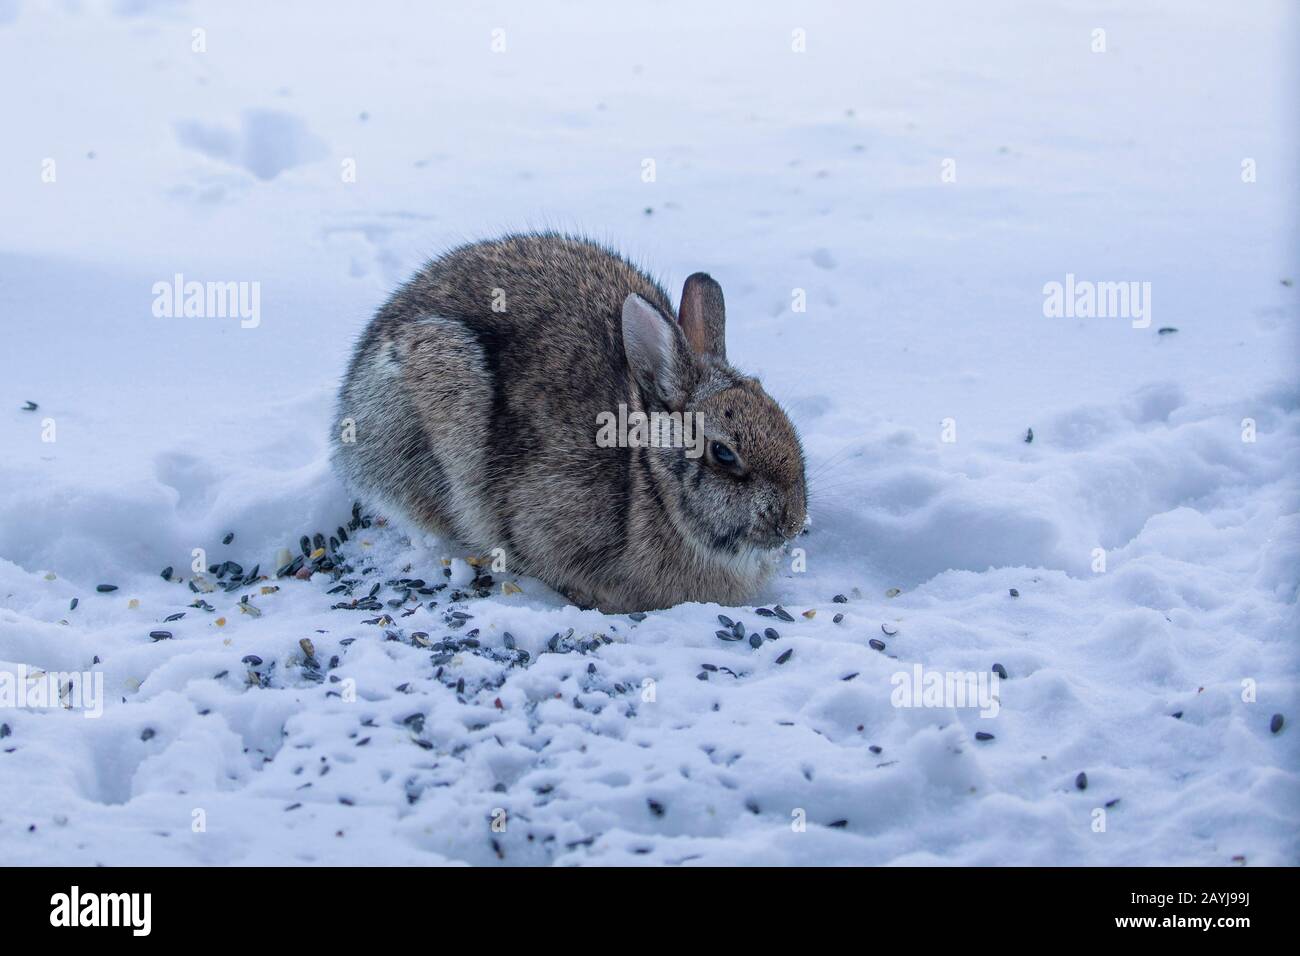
(471, 408)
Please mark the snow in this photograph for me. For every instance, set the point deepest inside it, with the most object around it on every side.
(776, 171)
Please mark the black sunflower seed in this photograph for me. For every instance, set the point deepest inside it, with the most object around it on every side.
(764, 612)
(167, 573)
(840, 599)
(252, 660)
(147, 733)
(637, 615)
(1081, 781)
(1000, 671)
(785, 656)
(30, 406)
(1276, 723)
(839, 824)
(1029, 437)
(755, 641)
(656, 807)
(725, 621)
(73, 605)
(771, 633)
(783, 614)
(983, 735)
(838, 618)
(105, 588)
(342, 533)
(318, 541)
(304, 544)
(161, 635)
(726, 635)
(230, 536)
(1015, 593)
(702, 675)
(509, 640)
(876, 644)
(739, 630)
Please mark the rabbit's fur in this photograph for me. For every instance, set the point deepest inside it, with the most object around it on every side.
(481, 424)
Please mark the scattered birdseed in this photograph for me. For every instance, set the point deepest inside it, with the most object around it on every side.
(840, 599)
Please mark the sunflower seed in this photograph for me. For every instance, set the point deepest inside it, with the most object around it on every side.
(783, 614)
(638, 615)
(771, 633)
(161, 635)
(876, 644)
(755, 641)
(167, 573)
(764, 612)
(725, 621)
(73, 605)
(1014, 593)
(105, 588)
(1081, 781)
(726, 635)
(1275, 725)
(983, 735)
(252, 660)
(838, 618)
(30, 406)
(304, 544)
(785, 656)
(1000, 671)
(230, 536)
(738, 629)
(840, 599)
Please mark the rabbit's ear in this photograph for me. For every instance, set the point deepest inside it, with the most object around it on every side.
(654, 350)
(704, 316)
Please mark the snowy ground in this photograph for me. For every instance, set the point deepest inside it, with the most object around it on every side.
(821, 171)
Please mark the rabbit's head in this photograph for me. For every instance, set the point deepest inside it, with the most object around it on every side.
(735, 485)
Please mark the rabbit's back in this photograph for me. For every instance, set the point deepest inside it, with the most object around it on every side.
(474, 396)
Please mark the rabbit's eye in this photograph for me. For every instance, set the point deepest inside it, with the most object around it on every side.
(723, 455)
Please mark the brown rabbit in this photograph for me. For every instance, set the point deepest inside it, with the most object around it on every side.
(474, 402)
